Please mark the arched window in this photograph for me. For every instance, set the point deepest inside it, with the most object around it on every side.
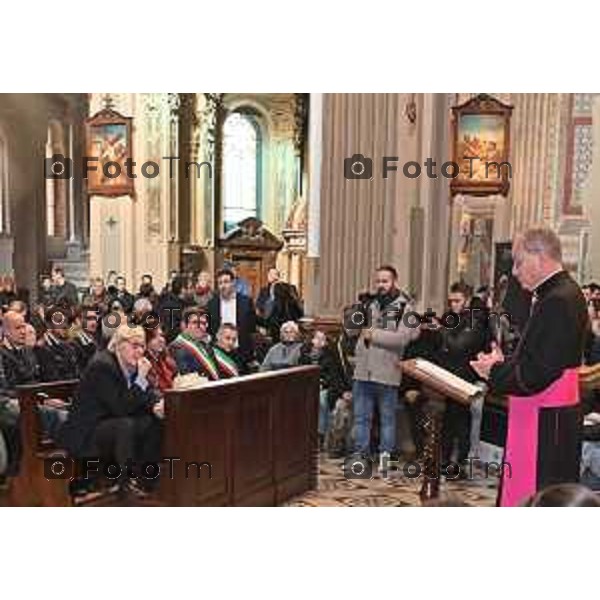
(242, 167)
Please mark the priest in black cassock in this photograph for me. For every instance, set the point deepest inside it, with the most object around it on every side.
(540, 377)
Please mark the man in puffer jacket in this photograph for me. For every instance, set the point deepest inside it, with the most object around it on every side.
(380, 346)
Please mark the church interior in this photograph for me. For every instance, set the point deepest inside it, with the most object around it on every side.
(315, 191)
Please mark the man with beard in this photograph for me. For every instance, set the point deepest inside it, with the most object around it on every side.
(376, 373)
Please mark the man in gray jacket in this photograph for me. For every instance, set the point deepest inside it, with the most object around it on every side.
(386, 333)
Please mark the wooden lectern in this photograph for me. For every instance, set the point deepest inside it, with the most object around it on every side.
(438, 386)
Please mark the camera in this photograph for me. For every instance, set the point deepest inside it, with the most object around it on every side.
(356, 467)
(58, 467)
(58, 166)
(358, 167)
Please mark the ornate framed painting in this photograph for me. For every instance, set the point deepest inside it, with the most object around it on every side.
(481, 147)
(108, 147)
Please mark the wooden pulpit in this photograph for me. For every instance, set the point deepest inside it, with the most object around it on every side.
(438, 386)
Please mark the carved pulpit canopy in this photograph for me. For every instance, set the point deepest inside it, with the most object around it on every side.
(252, 234)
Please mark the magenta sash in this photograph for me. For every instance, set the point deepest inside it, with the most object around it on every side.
(519, 481)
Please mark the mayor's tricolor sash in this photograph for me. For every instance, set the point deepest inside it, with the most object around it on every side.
(199, 352)
(226, 363)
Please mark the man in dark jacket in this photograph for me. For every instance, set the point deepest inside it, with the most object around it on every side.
(277, 303)
(122, 295)
(114, 415)
(64, 292)
(458, 341)
(334, 383)
(237, 309)
(541, 376)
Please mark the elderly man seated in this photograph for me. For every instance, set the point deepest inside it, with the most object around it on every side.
(115, 416)
(287, 352)
(19, 366)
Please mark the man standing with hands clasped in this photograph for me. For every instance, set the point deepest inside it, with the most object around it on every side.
(540, 377)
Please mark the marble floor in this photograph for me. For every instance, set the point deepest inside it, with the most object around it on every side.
(395, 490)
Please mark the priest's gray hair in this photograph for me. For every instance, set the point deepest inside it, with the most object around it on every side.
(541, 240)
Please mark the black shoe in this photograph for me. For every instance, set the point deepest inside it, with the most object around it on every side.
(133, 489)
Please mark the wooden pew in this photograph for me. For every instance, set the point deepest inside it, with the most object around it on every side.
(30, 487)
(258, 432)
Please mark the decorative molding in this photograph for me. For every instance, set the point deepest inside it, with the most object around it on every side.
(251, 233)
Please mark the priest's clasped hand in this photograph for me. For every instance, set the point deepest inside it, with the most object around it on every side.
(484, 363)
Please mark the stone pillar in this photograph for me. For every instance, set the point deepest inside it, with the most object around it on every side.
(315, 157)
(591, 203)
(363, 222)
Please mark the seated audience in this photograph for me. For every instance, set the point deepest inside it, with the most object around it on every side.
(278, 303)
(112, 320)
(143, 313)
(19, 366)
(98, 298)
(56, 355)
(170, 308)
(203, 291)
(592, 350)
(287, 352)
(191, 348)
(19, 361)
(63, 292)
(19, 306)
(122, 295)
(31, 336)
(229, 361)
(9, 428)
(164, 367)
(46, 296)
(111, 284)
(7, 291)
(115, 416)
(85, 335)
(334, 385)
(147, 289)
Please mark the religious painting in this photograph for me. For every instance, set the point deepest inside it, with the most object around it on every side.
(481, 147)
(108, 147)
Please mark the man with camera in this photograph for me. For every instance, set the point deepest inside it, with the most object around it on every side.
(383, 336)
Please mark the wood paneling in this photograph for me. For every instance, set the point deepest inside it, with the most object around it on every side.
(259, 434)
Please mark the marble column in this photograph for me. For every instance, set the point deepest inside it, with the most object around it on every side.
(591, 204)
(315, 157)
(363, 222)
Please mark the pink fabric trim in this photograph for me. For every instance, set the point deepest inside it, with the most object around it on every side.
(522, 437)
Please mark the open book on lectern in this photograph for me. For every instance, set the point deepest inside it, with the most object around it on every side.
(442, 381)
